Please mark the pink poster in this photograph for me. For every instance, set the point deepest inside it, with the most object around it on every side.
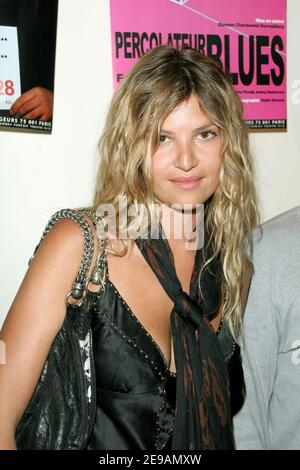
(248, 37)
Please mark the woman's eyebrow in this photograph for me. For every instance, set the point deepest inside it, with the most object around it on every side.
(198, 129)
(204, 127)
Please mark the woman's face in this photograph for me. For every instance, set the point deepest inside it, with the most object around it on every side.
(186, 165)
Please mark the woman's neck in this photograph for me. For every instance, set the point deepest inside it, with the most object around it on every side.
(182, 226)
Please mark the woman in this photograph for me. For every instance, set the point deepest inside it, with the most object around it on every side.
(174, 139)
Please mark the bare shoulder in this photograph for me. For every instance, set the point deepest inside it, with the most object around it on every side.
(59, 256)
(49, 276)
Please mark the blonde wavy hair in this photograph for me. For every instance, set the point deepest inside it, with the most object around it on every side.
(155, 86)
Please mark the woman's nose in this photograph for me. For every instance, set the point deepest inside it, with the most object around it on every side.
(185, 156)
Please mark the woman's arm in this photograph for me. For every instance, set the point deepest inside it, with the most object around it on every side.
(34, 319)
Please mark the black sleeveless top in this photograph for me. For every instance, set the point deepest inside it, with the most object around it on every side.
(136, 391)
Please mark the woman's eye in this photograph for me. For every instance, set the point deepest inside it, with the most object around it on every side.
(207, 135)
(163, 138)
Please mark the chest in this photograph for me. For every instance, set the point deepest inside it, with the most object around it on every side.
(139, 287)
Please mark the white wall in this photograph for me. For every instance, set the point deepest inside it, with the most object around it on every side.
(41, 173)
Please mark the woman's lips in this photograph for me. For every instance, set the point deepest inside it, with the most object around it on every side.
(188, 183)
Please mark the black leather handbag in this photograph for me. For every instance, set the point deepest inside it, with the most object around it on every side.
(61, 412)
